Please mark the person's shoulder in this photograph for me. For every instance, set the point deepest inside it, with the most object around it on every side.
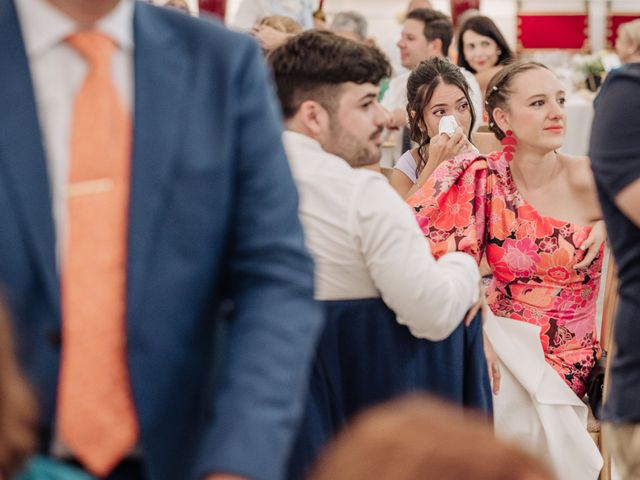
(578, 172)
(407, 159)
(399, 81)
(469, 77)
(622, 82)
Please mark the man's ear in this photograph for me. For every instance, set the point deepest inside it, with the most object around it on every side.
(314, 117)
(436, 45)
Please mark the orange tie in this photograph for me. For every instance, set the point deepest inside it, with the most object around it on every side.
(96, 416)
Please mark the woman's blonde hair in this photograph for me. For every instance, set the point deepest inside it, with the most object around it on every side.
(631, 30)
(17, 406)
(281, 23)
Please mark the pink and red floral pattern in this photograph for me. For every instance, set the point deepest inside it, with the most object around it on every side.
(471, 204)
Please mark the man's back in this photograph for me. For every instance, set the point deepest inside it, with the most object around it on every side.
(614, 153)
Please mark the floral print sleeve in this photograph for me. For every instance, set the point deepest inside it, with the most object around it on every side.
(452, 205)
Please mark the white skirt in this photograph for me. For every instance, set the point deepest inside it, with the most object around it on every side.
(535, 408)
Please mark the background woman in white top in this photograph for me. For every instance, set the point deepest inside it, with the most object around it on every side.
(435, 89)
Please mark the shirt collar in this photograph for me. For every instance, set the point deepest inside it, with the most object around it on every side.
(300, 140)
(44, 26)
(295, 143)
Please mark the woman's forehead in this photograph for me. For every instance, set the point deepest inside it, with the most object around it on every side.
(538, 80)
(446, 92)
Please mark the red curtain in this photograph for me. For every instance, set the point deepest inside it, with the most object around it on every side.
(217, 7)
(553, 31)
(460, 6)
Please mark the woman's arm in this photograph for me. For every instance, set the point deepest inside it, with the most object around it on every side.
(400, 182)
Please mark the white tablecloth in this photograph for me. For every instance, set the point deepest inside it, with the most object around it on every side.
(579, 115)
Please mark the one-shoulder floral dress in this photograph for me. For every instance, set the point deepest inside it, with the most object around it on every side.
(471, 204)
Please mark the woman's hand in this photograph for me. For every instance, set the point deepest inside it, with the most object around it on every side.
(479, 306)
(442, 147)
(493, 364)
(592, 244)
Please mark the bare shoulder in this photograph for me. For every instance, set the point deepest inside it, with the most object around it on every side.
(486, 142)
(581, 182)
(578, 173)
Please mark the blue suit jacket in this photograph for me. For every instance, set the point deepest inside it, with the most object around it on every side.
(213, 215)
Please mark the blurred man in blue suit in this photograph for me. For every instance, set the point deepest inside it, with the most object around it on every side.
(143, 185)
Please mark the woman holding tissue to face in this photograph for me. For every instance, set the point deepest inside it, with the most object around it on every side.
(534, 213)
(441, 115)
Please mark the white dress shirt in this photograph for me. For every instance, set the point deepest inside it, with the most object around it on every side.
(366, 243)
(57, 71)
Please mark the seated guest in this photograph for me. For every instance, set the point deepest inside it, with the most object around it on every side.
(420, 438)
(274, 30)
(415, 4)
(181, 5)
(251, 11)
(425, 34)
(350, 25)
(628, 42)
(482, 49)
(535, 214)
(382, 291)
(435, 89)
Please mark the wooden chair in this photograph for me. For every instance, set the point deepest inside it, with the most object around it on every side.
(610, 303)
(552, 30)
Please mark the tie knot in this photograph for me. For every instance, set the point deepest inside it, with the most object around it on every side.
(95, 47)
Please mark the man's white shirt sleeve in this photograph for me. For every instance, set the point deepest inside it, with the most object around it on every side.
(430, 297)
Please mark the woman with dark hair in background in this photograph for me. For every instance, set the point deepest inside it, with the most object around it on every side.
(482, 49)
(437, 89)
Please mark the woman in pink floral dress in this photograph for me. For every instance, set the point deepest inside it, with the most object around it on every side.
(534, 212)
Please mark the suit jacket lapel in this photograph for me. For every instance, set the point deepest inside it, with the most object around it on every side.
(160, 76)
(22, 157)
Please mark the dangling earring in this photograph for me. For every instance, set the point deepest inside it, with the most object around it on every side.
(509, 144)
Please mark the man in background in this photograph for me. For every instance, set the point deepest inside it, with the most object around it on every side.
(615, 159)
(351, 25)
(425, 34)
